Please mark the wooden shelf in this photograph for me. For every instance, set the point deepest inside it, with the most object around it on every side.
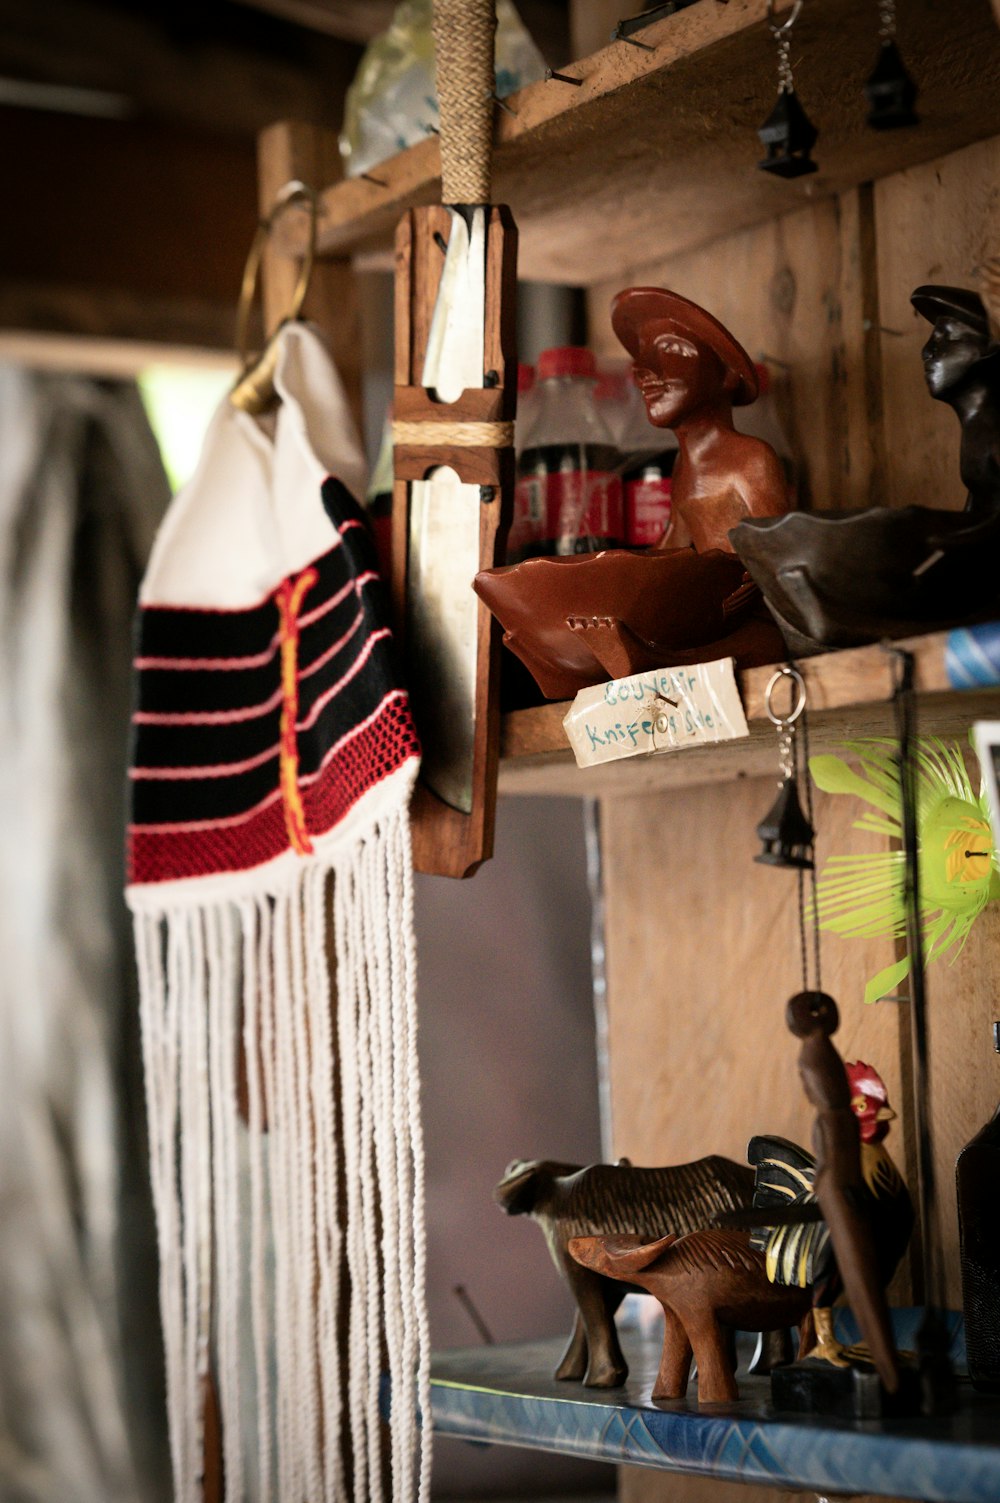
(506, 1396)
(655, 153)
(849, 697)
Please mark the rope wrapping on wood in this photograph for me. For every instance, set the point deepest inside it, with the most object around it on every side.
(463, 47)
(456, 435)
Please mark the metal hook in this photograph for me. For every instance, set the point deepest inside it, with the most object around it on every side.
(786, 25)
(254, 389)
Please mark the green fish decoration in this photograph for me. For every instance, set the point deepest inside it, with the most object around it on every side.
(861, 896)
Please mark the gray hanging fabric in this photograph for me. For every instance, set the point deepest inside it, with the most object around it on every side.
(82, 490)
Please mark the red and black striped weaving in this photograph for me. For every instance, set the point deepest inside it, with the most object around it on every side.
(258, 730)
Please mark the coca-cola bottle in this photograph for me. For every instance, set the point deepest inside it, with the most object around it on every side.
(568, 497)
(525, 402)
(977, 1175)
(648, 456)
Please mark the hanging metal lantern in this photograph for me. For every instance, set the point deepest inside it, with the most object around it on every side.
(789, 136)
(787, 835)
(890, 91)
(788, 133)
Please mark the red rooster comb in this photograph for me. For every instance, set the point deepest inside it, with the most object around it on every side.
(866, 1081)
(870, 1101)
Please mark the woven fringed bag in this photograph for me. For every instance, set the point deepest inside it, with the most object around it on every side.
(273, 761)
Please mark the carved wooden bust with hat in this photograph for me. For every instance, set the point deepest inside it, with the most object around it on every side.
(692, 373)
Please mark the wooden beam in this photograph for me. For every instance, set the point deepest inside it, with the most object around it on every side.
(221, 67)
(350, 20)
(361, 20)
(111, 357)
(89, 315)
(849, 697)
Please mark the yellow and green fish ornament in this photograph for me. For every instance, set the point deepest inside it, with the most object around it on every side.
(861, 896)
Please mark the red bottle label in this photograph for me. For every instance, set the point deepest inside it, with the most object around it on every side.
(647, 510)
(526, 526)
(579, 504)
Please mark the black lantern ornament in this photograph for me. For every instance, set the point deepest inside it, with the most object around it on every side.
(787, 133)
(785, 832)
(889, 90)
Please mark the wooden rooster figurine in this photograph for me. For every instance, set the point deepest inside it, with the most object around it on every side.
(826, 1212)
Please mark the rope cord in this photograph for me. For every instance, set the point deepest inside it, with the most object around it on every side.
(463, 47)
(455, 435)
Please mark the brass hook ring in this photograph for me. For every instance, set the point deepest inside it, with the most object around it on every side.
(786, 671)
(786, 25)
(292, 193)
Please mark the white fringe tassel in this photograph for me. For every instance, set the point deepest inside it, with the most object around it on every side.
(333, 1187)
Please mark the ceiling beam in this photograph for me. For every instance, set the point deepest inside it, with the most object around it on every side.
(350, 20)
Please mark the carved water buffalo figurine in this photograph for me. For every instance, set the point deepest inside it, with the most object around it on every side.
(710, 1285)
(614, 1199)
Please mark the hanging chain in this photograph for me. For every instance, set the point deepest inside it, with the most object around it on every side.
(783, 37)
(786, 751)
(786, 83)
(887, 20)
(793, 761)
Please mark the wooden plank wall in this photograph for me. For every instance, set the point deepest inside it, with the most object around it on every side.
(702, 946)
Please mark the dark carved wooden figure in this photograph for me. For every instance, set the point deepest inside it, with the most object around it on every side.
(842, 578)
(962, 367)
(583, 619)
(841, 1221)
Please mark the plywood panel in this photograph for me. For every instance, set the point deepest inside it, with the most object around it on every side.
(934, 223)
(702, 955)
(794, 291)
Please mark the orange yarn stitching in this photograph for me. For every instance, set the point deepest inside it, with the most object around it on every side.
(289, 600)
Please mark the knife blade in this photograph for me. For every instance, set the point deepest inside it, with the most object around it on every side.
(444, 530)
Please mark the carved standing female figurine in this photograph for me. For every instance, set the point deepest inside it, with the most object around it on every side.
(692, 373)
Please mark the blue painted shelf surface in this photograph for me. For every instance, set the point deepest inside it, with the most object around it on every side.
(505, 1395)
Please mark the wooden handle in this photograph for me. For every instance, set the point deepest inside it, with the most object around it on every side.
(463, 48)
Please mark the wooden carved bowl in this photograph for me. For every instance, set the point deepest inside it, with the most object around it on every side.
(590, 617)
(843, 578)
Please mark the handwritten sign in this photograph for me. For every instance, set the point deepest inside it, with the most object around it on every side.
(656, 712)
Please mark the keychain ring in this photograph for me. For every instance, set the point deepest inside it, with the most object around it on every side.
(786, 25)
(292, 193)
(786, 671)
